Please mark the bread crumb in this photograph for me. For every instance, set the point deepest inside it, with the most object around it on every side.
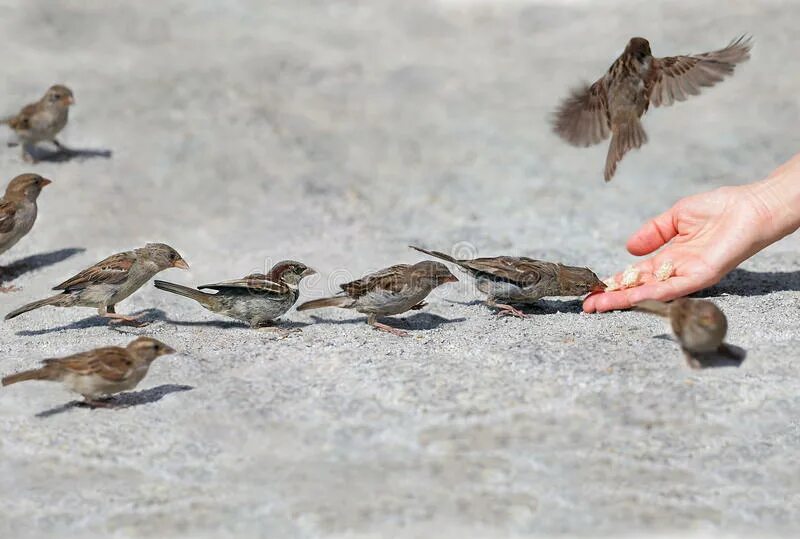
(630, 277)
(611, 284)
(665, 271)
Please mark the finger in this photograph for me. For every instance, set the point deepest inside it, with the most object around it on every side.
(625, 299)
(653, 234)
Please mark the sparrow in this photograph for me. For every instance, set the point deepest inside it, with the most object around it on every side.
(110, 281)
(614, 104)
(101, 372)
(390, 291)
(18, 210)
(43, 120)
(257, 299)
(508, 280)
(699, 325)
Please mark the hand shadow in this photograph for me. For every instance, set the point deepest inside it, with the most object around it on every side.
(148, 315)
(741, 282)
(418, 321)
(121, 400)
(34, 262)
(65, 153)
(542, 306)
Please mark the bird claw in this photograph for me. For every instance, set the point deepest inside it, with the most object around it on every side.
(389, 329)
(7, 289)
(508, 310)
(281, 332)
(420, 305)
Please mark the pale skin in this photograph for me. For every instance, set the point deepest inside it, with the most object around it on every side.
(706, 236)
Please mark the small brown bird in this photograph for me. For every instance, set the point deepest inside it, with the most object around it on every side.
(110, 281)
(256, 299)
(18, 210)
(699, 325)
(520, 280)
(614, 104)
(101, 372)
(390, 291)
(43, 120)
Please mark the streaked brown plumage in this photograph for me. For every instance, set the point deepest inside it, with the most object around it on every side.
(101, 372)
(256, 299)
(18, 210)
(614, 104)
(510, 280)
(43, 120)
(699, 325)
(110, 281)
(393, 290)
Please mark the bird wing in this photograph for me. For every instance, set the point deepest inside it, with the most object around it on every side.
(7, 212)
(23, 119)
(582, 119)
(521, 271)
(675, 78)
(257, 282)
(391, 279)
(112, 270)
(112, 363)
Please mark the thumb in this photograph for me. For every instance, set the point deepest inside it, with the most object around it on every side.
(653, 234)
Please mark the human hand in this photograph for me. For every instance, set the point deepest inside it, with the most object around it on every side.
(706, 236)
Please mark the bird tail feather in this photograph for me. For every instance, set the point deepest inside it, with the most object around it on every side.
(52, 300)
(44, 373)
(653, 307)
(197, 295)
(336, 301)
(436, 254)
(626, 135)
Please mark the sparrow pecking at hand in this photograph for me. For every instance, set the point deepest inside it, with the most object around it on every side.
(43, 120)
(257, 299)
(699, 325)
(99, 373)
(110, 281)
(509, 280)
(18, 210)
(390, 291)
(614, 104)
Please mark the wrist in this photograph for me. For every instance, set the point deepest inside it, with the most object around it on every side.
(777, 201)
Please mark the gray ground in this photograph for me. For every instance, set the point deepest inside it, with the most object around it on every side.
(337, 133)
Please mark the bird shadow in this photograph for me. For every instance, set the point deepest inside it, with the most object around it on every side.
(68, 154)
(728, 355)
(542, 306)
(741, 282)
(25, 265)
(148, 315)
(222, 324)
(418, 321)
(121, 400)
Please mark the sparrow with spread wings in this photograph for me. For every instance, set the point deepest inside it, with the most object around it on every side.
(615, 103)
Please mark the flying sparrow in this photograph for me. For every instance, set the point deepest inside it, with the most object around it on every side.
(257, 299)
(699, 325)
(110, 281)
(18, 210)
(508, 280)
(614, 104)
(43, 120)
(392, 290)
(100, 372)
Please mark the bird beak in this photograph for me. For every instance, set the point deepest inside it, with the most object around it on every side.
(169, 350)
(69, 100)
(450, 279)
(180, 264)
(599, 287)
(45, 181)
(307, 272)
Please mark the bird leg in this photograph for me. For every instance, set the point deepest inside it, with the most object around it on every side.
(63, 149)
(115, 318)
(7, 289)
(418, 306)
(503, 309)
(26, 155)
(373, 321)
